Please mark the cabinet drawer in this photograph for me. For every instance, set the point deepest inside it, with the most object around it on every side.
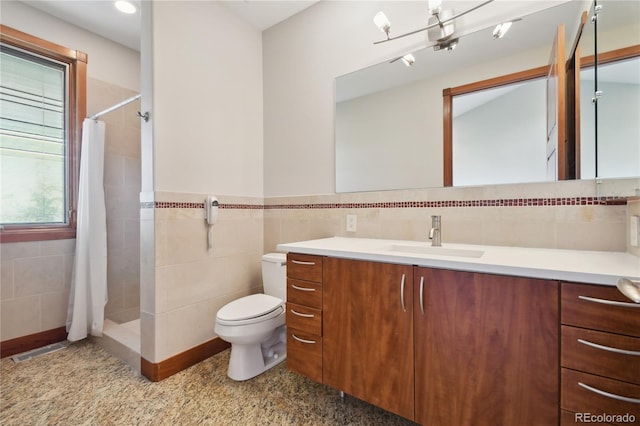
(589, 306)
(304, 293)
(304, 267)
(304, 354)
(604, 354)
(304, 318)
(578, 399)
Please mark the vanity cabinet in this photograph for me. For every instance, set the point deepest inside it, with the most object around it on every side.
(436, 346)
(304, 315)
(368, 332)
(600, 353)
(486, 349)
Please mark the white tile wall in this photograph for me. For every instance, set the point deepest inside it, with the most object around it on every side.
(122, 182)
(35, 282)
(192, 281)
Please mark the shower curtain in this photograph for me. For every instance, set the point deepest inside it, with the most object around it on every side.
(88, 296)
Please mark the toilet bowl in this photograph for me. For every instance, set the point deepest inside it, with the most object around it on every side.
(255, 324)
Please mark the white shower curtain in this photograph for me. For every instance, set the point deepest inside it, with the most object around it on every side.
(88, 296)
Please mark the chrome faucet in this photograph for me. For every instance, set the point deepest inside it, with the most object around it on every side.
(434, 233)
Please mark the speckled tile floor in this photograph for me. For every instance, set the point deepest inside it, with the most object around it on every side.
(84, 385)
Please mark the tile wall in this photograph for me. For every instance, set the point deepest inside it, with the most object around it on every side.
(34, 289)
(551, 215)
(122, 192)
(193, 281)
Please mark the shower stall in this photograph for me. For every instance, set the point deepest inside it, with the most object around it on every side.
(122, 183)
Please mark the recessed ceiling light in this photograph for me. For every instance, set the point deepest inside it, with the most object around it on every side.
(125, 7)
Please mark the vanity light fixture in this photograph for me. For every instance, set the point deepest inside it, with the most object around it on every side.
(125, 6)
(408, 59)
(435, 6)
(447, 45)
(383, 23)
(501, 29)
(440, 26)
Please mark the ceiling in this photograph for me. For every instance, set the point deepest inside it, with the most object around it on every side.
(102, 18)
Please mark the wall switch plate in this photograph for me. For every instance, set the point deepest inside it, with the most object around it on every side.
(634, 230)
(352, 223)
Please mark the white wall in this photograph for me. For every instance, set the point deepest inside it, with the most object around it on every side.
(302, 57)
(207, 100)
(108, 61)
(383, 142)
(618, 130)
(502, 141)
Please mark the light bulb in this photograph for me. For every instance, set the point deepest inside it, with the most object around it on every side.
(125, 7)
(382, 22)
(501, 29)
(408, 59)
(435, 6)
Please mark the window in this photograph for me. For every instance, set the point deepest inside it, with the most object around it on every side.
(42, 105)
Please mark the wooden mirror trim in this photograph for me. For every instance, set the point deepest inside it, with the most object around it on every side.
(556, 69)
(574, 65)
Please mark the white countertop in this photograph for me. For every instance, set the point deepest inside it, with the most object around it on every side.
(594, 267)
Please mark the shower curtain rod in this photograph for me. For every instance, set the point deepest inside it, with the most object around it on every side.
(116, 106)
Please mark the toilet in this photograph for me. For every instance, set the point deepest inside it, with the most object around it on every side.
(254, 325)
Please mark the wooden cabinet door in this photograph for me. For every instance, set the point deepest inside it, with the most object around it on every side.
(368, 332)
(486, 349)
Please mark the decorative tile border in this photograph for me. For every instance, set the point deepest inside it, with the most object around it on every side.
(511, 202)
(174, 205)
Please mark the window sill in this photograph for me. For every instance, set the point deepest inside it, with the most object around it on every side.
(16, 235)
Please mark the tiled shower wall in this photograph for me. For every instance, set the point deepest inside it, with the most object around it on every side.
(122, 197)
(36, 276)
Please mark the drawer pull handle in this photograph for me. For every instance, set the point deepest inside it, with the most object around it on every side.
(629, 288)
(302, 262)
(402, 294)
(609, 348)
(610, 395)
(294, 312)
(422, 295)
(609, 302)
(302, 288)
(309, 342)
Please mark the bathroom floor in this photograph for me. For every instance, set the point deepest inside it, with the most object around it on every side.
(83, 384)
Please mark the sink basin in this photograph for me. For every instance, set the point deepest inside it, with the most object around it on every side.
(437, 251)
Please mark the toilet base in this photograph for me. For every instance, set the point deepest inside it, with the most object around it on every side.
(248, 361)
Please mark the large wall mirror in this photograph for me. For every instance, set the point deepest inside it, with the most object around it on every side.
(389, 118)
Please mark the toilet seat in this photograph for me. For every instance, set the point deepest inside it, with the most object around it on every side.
(250, 309)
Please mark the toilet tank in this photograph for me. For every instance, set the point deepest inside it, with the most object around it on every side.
(274, 274)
